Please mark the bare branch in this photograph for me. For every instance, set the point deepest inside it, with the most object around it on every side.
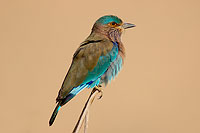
(86, 122)
(85, 113)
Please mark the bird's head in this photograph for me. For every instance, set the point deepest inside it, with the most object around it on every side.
(111, 25)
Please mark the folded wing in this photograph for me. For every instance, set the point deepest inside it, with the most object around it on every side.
(91, 60)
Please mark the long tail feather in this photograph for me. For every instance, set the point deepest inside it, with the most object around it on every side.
(55, 112)
(62, 102)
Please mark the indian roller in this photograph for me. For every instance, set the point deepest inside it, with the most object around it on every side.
(97, 60)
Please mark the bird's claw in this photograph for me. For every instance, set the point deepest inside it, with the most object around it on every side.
(101, 95)
(99, 86)
(100, 91)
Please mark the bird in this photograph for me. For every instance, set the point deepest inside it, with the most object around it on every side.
(96, 62)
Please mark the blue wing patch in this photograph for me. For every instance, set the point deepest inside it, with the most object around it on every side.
(94, 77)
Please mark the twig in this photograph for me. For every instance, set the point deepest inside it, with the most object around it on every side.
(86, 122)
(84, 113)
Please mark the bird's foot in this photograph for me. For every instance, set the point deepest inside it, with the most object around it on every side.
(99, 88)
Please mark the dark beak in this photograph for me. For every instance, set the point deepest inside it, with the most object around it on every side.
(128, 25)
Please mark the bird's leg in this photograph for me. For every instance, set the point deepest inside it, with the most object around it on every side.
(99, 88)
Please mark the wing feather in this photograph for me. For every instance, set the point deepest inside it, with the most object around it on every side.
(84, 61)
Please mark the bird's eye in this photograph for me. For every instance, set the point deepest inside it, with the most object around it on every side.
(113, 24)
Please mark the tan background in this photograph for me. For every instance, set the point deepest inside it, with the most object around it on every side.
(156, 92)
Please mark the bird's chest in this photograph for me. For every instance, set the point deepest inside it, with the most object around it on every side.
(105, 61)
(109, 57)
(113, 68)
(103, 64)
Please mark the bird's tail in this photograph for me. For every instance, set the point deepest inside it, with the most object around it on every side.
(55, 112)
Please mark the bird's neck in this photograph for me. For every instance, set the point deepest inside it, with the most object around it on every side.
(110, 34)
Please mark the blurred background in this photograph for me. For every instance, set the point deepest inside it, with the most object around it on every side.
(157, 90)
